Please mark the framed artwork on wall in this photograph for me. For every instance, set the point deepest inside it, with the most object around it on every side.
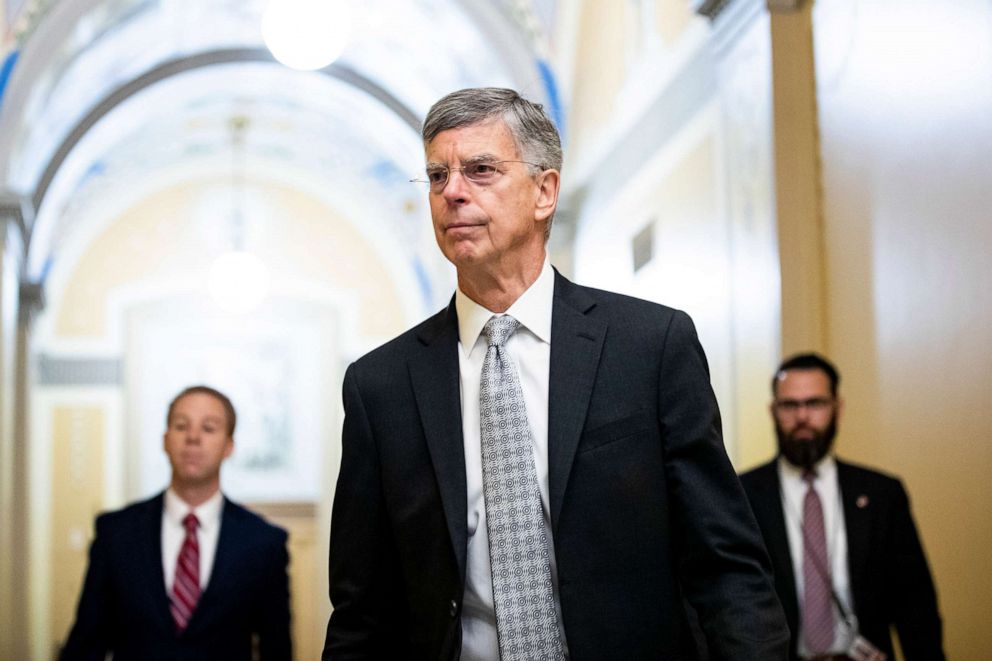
(273, 364)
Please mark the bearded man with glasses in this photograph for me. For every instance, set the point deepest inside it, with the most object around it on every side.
(537, 471)
(848, 560)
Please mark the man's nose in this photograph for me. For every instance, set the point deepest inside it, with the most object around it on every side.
(456, 188)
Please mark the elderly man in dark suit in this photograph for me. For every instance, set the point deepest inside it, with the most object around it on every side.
(848, 560)
(537, 471)
(188, 574)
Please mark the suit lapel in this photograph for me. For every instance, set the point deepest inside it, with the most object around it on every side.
(857, 524)
(435, 379)
(576, 345)
(770, 508)
(222, 571)
(150, 554)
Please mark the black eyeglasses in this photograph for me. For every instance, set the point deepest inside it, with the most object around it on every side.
(480, 173)
(814, 404)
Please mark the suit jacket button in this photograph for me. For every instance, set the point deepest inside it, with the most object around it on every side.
(453, 610)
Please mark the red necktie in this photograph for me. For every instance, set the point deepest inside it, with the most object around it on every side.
(186, 586)
(818, 612)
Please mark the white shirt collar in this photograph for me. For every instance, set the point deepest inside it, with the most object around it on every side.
(207, 513)
(532, 310)
(825, 469)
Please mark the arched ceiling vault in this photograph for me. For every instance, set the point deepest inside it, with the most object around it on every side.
(112, 94)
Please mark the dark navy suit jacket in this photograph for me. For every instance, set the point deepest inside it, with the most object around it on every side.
(124, 607)
(645, 506)
(890, 580)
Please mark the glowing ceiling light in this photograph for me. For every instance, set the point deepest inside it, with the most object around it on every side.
(306, 34)
(238, 281)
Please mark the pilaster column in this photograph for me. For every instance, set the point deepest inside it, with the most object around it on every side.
(14, 597)
(799, 199)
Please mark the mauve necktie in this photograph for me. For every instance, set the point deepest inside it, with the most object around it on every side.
(186, 586)
(526, 622)
(818, 613)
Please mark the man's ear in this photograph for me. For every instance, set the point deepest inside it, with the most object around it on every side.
(548, 184)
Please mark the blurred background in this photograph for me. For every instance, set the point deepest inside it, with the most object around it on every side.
(218, 191)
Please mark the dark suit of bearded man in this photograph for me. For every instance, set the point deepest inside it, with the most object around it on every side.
(890, 580)
(868, 564)
(643, 508)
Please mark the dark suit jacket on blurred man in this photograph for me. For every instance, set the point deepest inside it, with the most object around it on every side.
(127, 604)
(876, 570)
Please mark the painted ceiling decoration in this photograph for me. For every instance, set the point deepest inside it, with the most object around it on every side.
(118, 95)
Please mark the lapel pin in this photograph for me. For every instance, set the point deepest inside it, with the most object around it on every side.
(862, 501)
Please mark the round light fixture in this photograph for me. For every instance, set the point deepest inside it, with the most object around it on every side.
(306, 34)
(238, 281)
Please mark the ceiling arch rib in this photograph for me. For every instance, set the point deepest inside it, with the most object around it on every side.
(365, 170)
(207, 59)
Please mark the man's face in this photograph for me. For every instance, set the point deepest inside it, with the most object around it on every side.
(805, 416)
(483, 224)
(196, 440)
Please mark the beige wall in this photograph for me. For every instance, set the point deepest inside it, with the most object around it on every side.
(167, 239)
(77, 496)
(684, 147)
(904, 102)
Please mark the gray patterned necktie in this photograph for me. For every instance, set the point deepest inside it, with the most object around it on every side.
(526, 622)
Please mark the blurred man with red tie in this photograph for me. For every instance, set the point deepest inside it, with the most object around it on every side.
(847, 557)
(187, 574)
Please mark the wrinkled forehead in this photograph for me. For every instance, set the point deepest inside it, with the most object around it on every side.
(490, 139)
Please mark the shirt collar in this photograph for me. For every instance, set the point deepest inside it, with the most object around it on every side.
(532, 310)
(207, 513)
(825, 469)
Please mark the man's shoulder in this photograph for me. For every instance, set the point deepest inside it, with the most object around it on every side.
(252, 522)
(866, 476)
(395, 350)
(632, 321)
(118, 529)
(616, 304)
(760, 476)
(131, 513)
(761, 471)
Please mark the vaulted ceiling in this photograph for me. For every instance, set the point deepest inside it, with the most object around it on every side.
(122, 95)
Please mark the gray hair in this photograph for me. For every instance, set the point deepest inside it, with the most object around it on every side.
(533, 131)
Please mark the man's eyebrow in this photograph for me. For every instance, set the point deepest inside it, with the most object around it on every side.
(485, 157)
(481, 158)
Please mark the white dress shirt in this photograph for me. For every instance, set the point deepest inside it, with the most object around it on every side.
(530, 349)
(793, 493)
(173, 534)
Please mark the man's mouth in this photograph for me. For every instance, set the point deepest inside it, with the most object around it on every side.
(464, 223)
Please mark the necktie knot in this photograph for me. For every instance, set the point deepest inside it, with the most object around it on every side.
(191, 523)
(809, 476)
(499, 329)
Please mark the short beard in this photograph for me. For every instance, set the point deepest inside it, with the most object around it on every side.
(806, 453)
